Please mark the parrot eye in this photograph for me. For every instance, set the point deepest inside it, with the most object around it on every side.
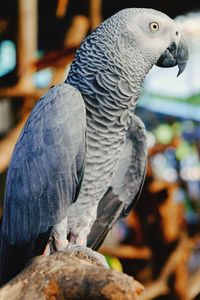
(153, 26)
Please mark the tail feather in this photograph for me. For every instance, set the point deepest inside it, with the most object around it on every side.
(13, 258)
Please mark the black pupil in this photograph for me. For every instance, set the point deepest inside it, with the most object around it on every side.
(154, 26)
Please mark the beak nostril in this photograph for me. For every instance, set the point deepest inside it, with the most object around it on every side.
(176, 32)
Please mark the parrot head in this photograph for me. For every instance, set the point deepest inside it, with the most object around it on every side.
(125, 47)
(156, 37)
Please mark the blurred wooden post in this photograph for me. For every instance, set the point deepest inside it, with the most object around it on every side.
(61, 8)
(27, 41)
(95, 13)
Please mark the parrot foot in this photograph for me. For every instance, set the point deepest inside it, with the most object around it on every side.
(55, 245)
(57, 240)
(88, 253)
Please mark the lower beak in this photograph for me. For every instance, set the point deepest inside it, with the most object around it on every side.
(175, 55)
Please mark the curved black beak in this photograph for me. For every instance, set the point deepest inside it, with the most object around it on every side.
(175, 55)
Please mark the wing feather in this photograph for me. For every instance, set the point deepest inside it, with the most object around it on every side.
(45, 173)
(126, 185)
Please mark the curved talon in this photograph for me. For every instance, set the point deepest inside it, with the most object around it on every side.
(54, 244)
(76, 239)
(72, 238)
(47, 250)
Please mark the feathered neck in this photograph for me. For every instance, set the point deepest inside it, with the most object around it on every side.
(108, 69)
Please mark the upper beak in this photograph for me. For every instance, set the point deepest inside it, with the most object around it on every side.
(175, 55)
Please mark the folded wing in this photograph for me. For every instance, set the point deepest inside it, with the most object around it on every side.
(44, 176)
(126, 185)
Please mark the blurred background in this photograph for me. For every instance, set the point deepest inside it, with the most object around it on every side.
(159, 242)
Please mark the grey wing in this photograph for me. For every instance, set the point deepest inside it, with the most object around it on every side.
(47, 165)
(126, 185)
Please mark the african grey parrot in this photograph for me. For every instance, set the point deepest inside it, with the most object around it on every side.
(82, 148)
